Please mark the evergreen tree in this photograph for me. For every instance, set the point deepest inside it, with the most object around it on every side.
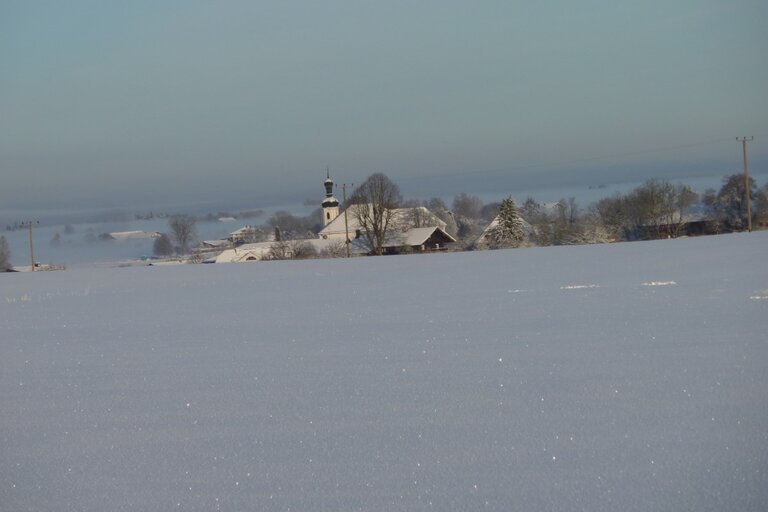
(509, 231)
(163, 246)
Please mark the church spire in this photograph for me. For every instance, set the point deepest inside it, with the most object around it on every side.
(330, 204)
(328, 183)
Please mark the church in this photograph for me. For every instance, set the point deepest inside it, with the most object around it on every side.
(414, 229)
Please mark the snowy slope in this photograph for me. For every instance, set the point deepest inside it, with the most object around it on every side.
(619, 377)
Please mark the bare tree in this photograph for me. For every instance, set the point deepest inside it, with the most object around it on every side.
(530, 209)
(468, 206)
(732, 200)
(435, 204)
(5, 255)
(682, 199)
(291, 250)
(489, 211)
(761, 203)
(373, 206)
(296, 227)
(279, 250)
(612, 214)
(302, 250)
(416, 215)
(655, 209)
(568, 211)
(183, 229)
(335, 249)
(446, 216)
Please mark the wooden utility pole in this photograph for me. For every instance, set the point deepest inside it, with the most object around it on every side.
(744, 141)
(29, 225)
(346, 224)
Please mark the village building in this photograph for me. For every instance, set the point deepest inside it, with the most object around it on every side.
(207, 245)
(412, 240)
(264, 250)
(688, 225)
(245, 252)
(413, 229)
(403, 219)
(246, 235)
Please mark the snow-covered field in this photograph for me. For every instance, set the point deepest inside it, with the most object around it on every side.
(599, 378)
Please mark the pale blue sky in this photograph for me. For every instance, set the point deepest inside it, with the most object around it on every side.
(146, 102)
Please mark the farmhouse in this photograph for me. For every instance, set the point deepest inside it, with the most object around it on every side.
(246, 235)
(413, 240)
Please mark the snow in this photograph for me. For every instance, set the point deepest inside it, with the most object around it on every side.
(472, 381)
(84, 248)
(131, 235)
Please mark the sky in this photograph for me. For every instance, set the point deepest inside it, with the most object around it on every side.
(145, 103)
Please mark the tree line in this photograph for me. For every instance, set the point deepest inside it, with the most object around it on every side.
(655, 209)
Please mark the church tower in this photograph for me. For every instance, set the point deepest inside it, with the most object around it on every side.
(330, 203)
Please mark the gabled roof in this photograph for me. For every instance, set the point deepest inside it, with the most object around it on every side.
(216, 243)
(413, 237)
(245, 252)
(243, 230)
(400, 217)
(416, 236)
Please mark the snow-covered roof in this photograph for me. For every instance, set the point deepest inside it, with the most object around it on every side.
(257, 251)
(246, 252)
(243, 230)
(400, 217)
(415, 236)
(216, 243)
(131, 235)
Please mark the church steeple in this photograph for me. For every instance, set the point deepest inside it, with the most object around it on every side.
(330, 204)
(328, 183)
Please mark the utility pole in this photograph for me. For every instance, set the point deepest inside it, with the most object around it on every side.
(346, 223)
(29, 225)
(744, 141)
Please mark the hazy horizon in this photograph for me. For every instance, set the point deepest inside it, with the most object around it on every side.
(184, 103)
